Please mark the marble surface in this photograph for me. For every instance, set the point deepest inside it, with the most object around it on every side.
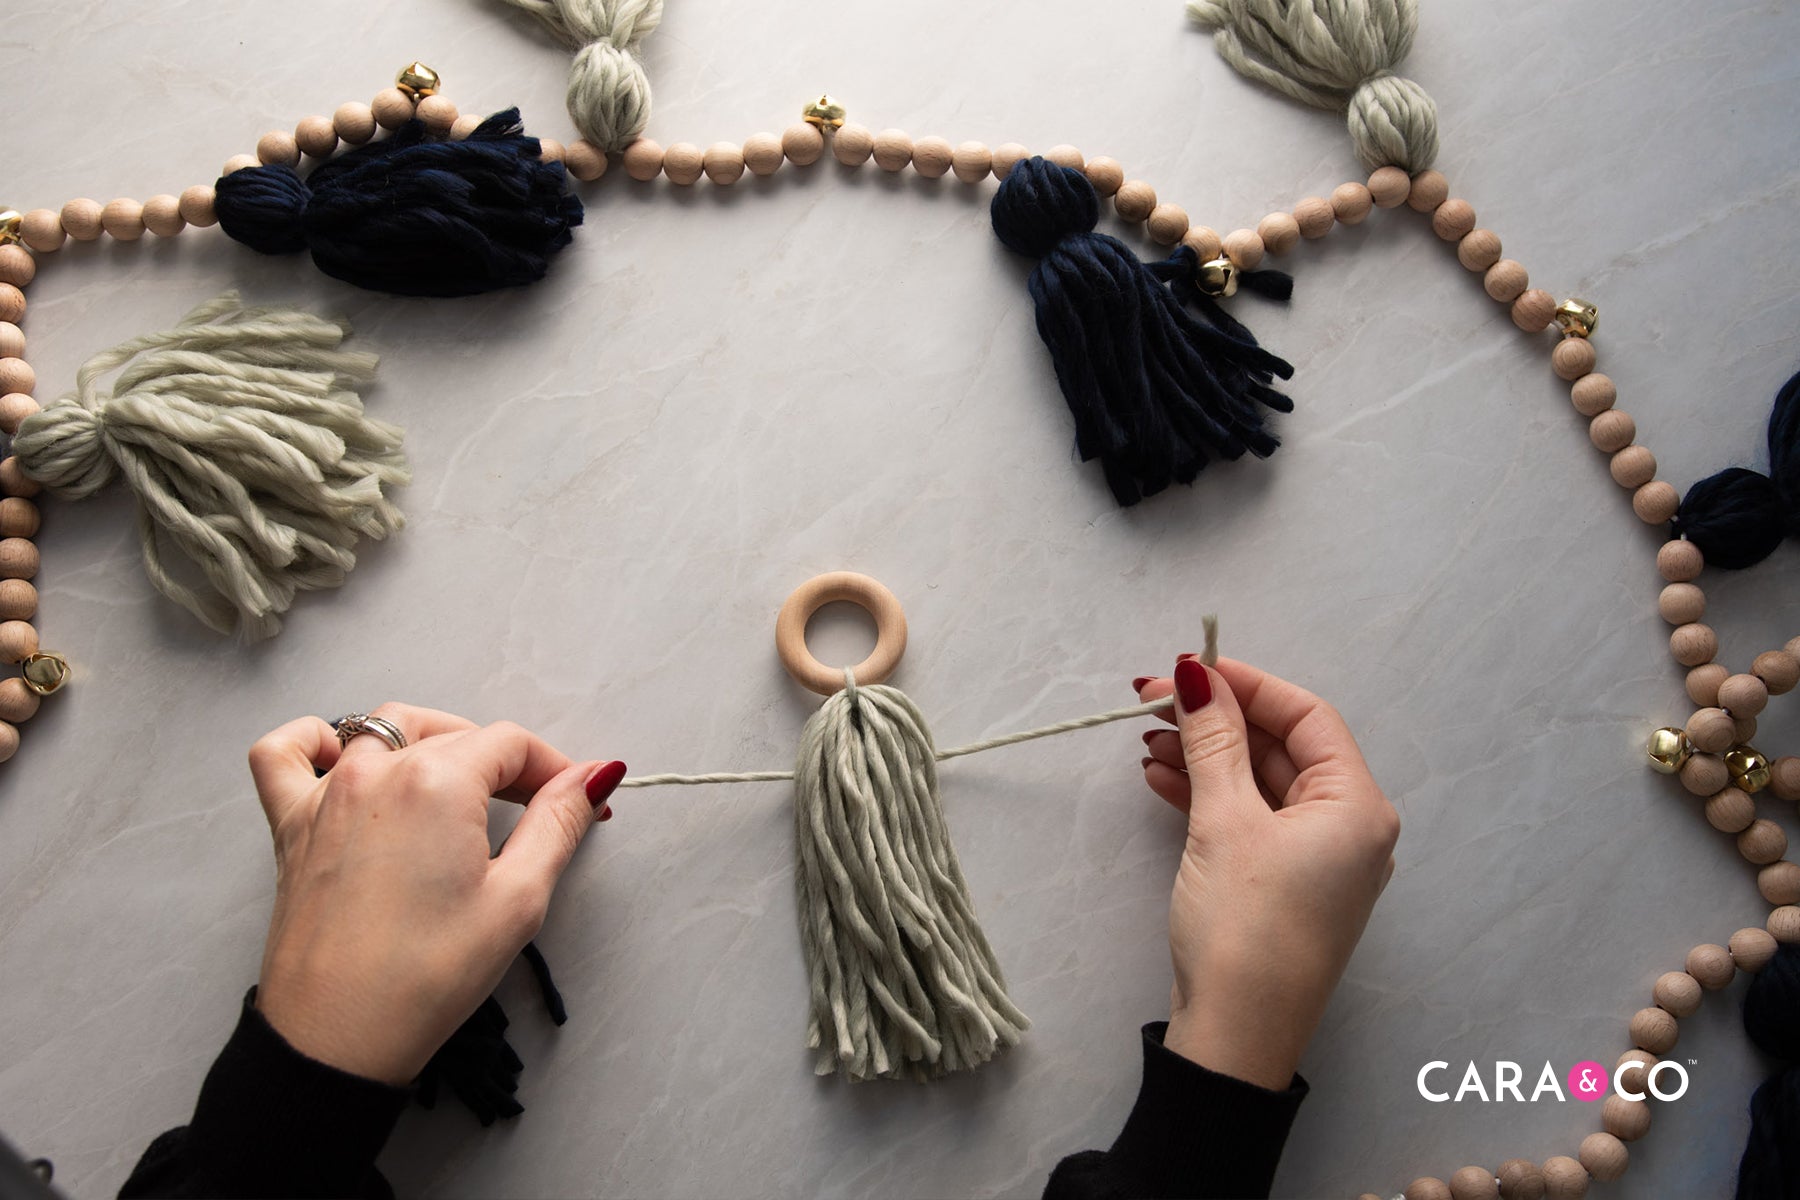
(622, 472)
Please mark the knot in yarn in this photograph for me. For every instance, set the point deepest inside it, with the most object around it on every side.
(1338, 55)
(1770, 1168)
(1738, 517)
(609, 95)
(1041, 204)
(66, 448)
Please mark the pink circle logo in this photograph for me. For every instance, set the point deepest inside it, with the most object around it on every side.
(1587, 1081)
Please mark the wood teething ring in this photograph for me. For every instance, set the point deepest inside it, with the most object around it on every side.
(867, 594)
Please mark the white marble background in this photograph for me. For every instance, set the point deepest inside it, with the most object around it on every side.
(622, 472)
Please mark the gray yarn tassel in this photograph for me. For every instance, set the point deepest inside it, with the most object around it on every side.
(609, 96)
(247, 448)
(1338, 55)
(903, 982)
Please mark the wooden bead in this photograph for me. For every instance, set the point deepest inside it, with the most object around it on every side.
(123, 219)
(801, 144)
(1705, 774)
(1204, 242)
(18, 559)
(1746, 729)
(1632, 467)
(1428, 190)
(1656, 503)
(1793, 647)
(1784, 777)
(1279, 232)
(18, 600)
(1533, 310)
(893, 149)
(1637, 1080)
(1479, 250)
(1612, 430)
(354, 122)
(972, 162)
(1572, 358)
(1677, 993)
(587, 162)
(1427, 1187)
(316, 137)
(12, 340)
(81, 219)
(1008, 155)
(1065, 155)
(763, 155)
(1564, 1178)
(18, 703)
(392, 108)
(1604, 1156)
(683, 162)
(17, 377)
(1627, 1120)
(438, 113)
(14, 481)
(14, 408)
(1763, 843)
(277, 148)
(1350, 203)
(1388, 187)
(1244, 248)
(1593, 394)
(162, 215)
(17, 266)
(1654, 1030)
(851, 145)
(1506, 280)
(1680, 603)
(1105, 174)
(1778, 670)
(239, 162)
(18, 517)
(1168, 224)
(9, 741)
(1679, 560)
(1784, 924)
(1730, 810)
(1711, 966)
(1743, 695)
(1454, 220)
(643, 160)
(18, 641)
(932, 156)
(1711, 730)
(1314, 216)
(197, 207)
(1520, 1179)
(1752, 948)
(12, 304)
(464, 127)
(723, 163)
(1135, 200)
(1779, 882)
(1474, 1183)
(1703, 684)
(549, 149)
(42, 230)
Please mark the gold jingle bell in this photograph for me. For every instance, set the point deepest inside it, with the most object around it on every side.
(418, 80)
(1577, 318)
(46, 672)
(12, 226)
(1749, 768)
(1217, 277)
(1669, 750)
(824, 112)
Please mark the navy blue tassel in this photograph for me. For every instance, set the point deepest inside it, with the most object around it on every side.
(478, 1065)
(1770, 1168)
(1739, 517)
(1156, 391)
(411, 214)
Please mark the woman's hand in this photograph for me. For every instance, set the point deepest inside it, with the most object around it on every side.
(391, 921)
(1289, 843)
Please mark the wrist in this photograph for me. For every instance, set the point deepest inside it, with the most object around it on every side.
(1261, 1047)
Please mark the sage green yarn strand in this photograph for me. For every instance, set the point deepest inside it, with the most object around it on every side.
(609, 95)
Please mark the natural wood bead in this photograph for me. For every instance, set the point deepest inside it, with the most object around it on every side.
(723, 163)
(587, 162)
(549, 149)
(1638, 1080)
(1693, 644)
(643, 160)
(1612, 430)
(1388, 187)
(1784, 777)
(277, 148)
(1627, 1120)
(123, 219)
(42, 230)
(801, 144)
(1429, 189)
(239, 162)
(81, 219)
(1593, 394)
(12, 304)
(1314, 217)
(316, 137)
(1779, 882)
(14, 481)
(1520, 1179)
(18, 641)
(392, 108)
(17, 266)
(1168, 224)
(932, 156)
(1135, 200)
(852, 145)
(1654, 1030)
(1453, 220)
(197, 206)
(17, 377)
(1427, 1187)
(1244, 248)
(1752, 948)
(438, 113)
(1711, 966)
(1008, 155)
(1204, 242)
(1778, 670)
(1703, 684)
(1679, 561)
(1279, 232)
(1474, 1183)
(18, 600)
(9, 741)
(972, 162)
(1564, 1178)
(18, 517)
(763, 155)
(1763, 843)
(683, 162)
(1604, 1156)
(465, 126)
(1506, 280)
(354, 122)
(1742, 695)
(1793, 647)
(1479, 250)
(1533, 310)
(12, 340)
(1350, 203)
(1065, 155)
(1656, 502)
(1677, 993)
(1680, 603)
(18, 559)
(1633, 467)
(893, 149)
(1705, 774)
(1572, 358)
(18, 703)
(1105, 174)
(162, 215)
(1730, 810)
(1784, 924)
(1745, 728)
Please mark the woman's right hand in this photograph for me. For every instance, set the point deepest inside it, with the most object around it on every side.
(1289, 844)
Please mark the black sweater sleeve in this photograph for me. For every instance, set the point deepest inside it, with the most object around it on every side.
(1193, 1133)
(272, 1122)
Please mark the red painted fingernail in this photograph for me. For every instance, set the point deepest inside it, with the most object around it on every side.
(604, 782)
(1192, 685)
(1137, 685)
(1145, 762)
(1149, 734)
(1185, 657)
(606, 813)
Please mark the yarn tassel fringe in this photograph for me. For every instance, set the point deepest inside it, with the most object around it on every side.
(1770, 1167)
(1739, 517)
(242, 435)
(477, 1064)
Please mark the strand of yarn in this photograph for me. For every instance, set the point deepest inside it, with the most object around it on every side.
(1739, 517)
(609, 96)
(1338, 55)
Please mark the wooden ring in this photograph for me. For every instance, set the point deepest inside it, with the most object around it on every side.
(807, 599)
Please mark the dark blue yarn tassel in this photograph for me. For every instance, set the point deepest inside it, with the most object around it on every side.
(1739, 517)
(1770, 1169)
(1156, 391)
(478, 1065)
(412, 214)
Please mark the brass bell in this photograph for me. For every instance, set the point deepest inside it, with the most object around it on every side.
(418, 80)
(12, 227)
(46, 672)
(1577, 318)
(1749, 768)
(1217, 277)
(824, 112)
(1669, 750)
